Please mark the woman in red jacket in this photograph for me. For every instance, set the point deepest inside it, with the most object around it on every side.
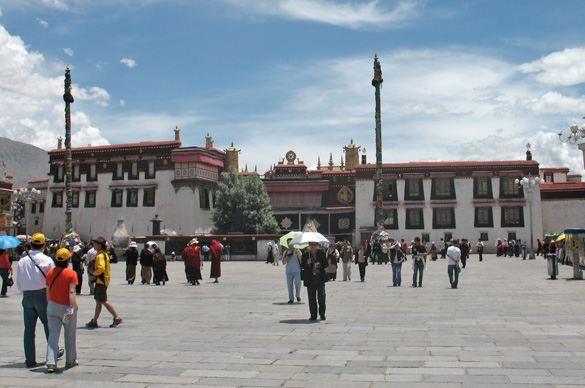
(5, 269)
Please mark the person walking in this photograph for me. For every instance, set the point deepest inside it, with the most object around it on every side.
(32, 272)
(226, 251)
(313, 264)
(270, 256)
(479, 249)
(5, 270)
(332, 259)
(362, 261)
(464, 248)
(292, 259)
(216, 250)
(397, 261)
(346, 260)
(159, 265)
(146, 259)
(275, 251)
(131, 255)
(419, 260)
(102, 273)
(61, 285)
(77, 265)
(454, 255)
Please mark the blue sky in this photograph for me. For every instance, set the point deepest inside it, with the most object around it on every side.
(463, 80)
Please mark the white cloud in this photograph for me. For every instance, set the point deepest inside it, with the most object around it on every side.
(561, 68)
(43, 23)
(68, 51)
(351, 14)
(131, 63)
(32, 103)
(122, 103)
(56, 4)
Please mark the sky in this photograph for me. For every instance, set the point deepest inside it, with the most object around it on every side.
(463, 80)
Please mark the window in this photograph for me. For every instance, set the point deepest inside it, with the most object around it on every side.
(150, 172)
(133, 171)
(509, 188)
(511, 236)
(204, 198)
(90, 199)
(92, 173)
(76, 174)
(484, 217)
(58, 174)
(132, 198)
(390, 218)
(33, 208)
(443, 218)
(549, 177)
(117, 196)
(414, 219)
(482, 188)
(148, 197)
(414, 190)
(512, 216)
(41, 207)
(58, 199)
(389, 193)
(443, 188)
(425, 238)
(118, 171)
(75, 199)
(448, 236)
(483, 236)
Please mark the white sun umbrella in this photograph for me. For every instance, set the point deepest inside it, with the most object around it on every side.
(307, 237)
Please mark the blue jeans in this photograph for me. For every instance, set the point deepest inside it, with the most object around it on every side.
(35, 306)
(396, 274)
(453, 270)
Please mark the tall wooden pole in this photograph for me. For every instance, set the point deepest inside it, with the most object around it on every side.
(68, 170)
(377, 83)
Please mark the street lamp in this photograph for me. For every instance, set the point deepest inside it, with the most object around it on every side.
(530, 185)
(575, 135)
(27, 196)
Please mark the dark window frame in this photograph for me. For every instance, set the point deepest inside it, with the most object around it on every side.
(438, 223)
(508, 183)
(118, 175)
(132, 198)
(57, 199)
(476, 187)
(505, 219)
(92, 177)
(490, 217)
(204, 198)
(132, 176)
(147, 201)
(75, 199)
(147, 174)
(117, 201)
(408, 196)
(393, 226)
(76, 173)
(409, 225)
(89, 195)
(437, 195)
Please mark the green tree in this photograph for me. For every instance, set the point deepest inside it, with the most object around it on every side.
(242, 205)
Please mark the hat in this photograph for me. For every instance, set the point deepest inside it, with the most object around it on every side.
(76, 248)
(133, 244)
(194, 241)
(38, 238)
(101, 241)
(63, 254)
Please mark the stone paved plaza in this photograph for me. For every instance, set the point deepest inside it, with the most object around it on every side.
(507, 324)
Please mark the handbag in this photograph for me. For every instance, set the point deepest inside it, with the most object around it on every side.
(10, 281)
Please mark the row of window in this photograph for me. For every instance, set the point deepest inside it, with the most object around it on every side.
(118, 198)
(444, 218)
(120, 168)
(444, 188)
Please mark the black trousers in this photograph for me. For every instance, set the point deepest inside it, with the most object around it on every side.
(316, 295)
(480, 252)
(362, 270)
(419, 267)
(4, 274)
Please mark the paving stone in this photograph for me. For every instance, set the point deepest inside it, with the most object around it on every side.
(499, 329)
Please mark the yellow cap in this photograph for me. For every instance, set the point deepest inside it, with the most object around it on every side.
(38, 238)
(63, 254)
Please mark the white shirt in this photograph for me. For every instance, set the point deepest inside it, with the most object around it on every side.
(454, 254)
(29, 276)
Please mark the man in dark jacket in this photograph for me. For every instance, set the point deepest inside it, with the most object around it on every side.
(146, 260)
(131, 255)
(313, 264)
